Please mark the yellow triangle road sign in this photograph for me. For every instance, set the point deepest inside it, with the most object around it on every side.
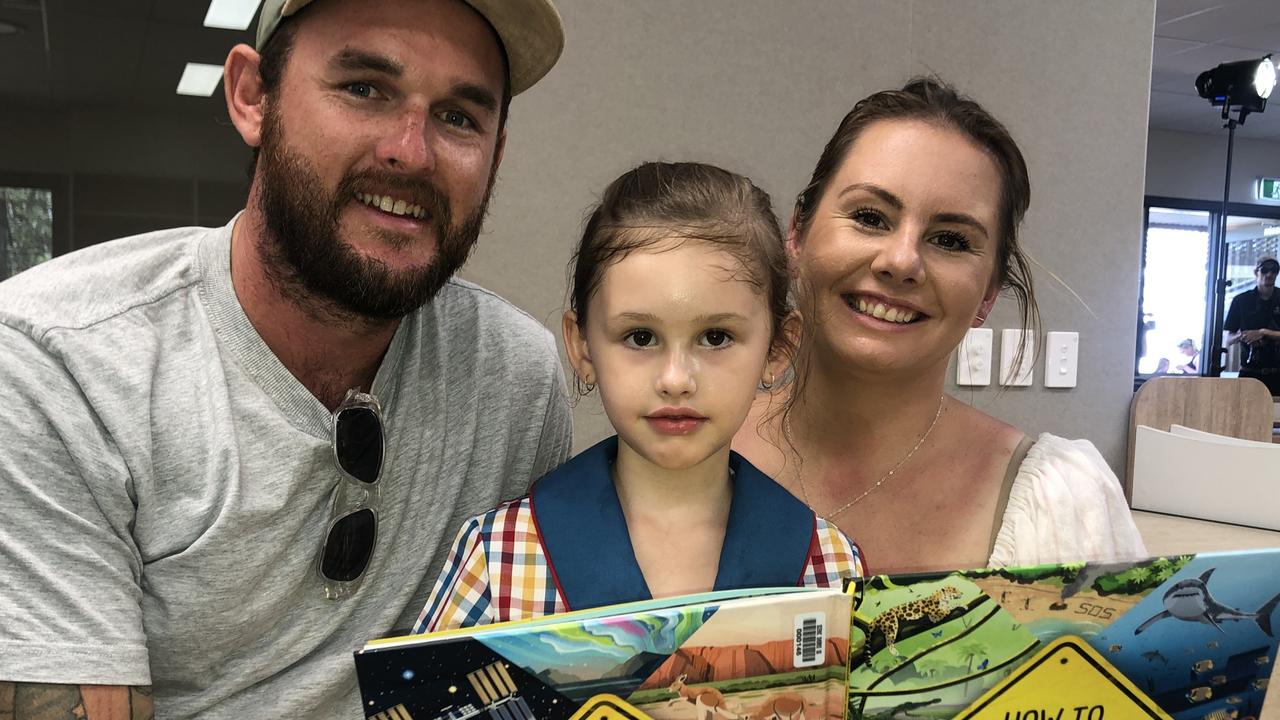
(1066, 680)
(608, 707)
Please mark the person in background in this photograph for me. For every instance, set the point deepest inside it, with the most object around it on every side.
(901, 242)
(1254, 321)
(1188, 348)
(678, 311)
(232, 455)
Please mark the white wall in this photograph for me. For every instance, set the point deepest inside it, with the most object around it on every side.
(1193, 166)
(758, 86)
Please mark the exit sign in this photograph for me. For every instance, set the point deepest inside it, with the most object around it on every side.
(1269, 188)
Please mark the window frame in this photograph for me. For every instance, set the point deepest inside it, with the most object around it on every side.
(1268, 211)
(60, 187)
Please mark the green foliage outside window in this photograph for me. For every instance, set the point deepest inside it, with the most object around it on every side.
(26, 229)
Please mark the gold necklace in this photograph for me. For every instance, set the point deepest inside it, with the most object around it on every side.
(805, 491)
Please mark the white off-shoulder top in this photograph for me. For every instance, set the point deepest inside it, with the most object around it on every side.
(1065, 505)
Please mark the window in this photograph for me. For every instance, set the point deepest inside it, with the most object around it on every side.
(1249, 239)
(1176, 286)
(26, 228)
(1174, 277)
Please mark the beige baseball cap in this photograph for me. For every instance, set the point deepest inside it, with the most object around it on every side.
(531, 32)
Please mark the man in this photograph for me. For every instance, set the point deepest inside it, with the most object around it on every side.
(185, 518)
(1254, 319)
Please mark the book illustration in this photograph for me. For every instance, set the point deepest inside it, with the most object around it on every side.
(782, 706)
(928, 646)
(1204, 641)
(611, 655)
(707, 702)
(751, 666)
(1187, 638)
(470, 681)
(1193, 633)
(1191, 601)
(936, 606)
(744, 659)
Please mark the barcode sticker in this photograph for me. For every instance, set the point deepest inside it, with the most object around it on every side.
(810, 640)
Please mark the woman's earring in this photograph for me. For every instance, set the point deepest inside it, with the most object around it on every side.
(584, 386)
(768, 384)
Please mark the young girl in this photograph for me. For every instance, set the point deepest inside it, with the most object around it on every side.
(677, 314)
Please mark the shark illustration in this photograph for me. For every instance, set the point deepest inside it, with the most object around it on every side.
(1153, 655)
(1190, 600)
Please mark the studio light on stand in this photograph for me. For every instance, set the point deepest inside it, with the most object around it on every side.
(1243, 87)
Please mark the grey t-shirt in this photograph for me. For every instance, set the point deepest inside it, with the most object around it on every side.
(165, 481)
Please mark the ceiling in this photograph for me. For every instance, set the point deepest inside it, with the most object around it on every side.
(132, 52)
(108, 52)
(1195, 35)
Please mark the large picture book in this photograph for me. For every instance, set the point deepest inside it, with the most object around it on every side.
(733, 655)
(1186, 637)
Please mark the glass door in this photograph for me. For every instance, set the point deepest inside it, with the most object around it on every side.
(1174, 276)
(1248, 240)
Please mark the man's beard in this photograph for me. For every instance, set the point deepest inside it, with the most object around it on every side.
(308, 263)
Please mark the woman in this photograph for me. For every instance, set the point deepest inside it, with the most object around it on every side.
(901, 242)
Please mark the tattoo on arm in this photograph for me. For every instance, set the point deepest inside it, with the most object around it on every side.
(41, 701)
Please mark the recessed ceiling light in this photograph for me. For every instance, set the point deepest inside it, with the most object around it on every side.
(231, 14)
(8, 28)
(199, 79)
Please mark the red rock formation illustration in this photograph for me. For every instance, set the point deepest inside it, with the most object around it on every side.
(710, 664)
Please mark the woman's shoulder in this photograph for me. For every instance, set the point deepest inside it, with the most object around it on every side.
(1058, 459)
(1062, 475)
(1065, 504)
(977, 423)
(977, 445)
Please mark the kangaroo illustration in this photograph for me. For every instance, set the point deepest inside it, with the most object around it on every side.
(783, 706)
(707, 702)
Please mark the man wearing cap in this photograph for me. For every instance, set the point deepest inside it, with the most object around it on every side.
(1254, 321)
(232, 455)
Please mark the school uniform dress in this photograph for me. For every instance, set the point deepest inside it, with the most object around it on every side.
(565, 547)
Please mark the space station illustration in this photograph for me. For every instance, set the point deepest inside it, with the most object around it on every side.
(722, 656)
(1193, 636)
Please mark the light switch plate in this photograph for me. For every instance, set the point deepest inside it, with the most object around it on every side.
(1010, 341)
(973, 357)
(1061, 359)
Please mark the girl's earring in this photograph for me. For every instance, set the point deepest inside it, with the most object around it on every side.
(585, 386)
(768, 384)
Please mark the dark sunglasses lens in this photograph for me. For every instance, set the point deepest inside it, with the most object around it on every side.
(359, 435)
(349, 546)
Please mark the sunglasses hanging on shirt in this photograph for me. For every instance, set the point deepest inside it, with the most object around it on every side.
(358, 448)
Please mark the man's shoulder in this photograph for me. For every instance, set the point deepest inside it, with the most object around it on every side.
(465, 308)
(101, 282)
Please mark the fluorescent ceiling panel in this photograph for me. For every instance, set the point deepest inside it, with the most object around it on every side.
(231, 14)
(199, 79)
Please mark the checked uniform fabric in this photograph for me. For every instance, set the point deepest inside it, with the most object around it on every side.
(497, 571)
